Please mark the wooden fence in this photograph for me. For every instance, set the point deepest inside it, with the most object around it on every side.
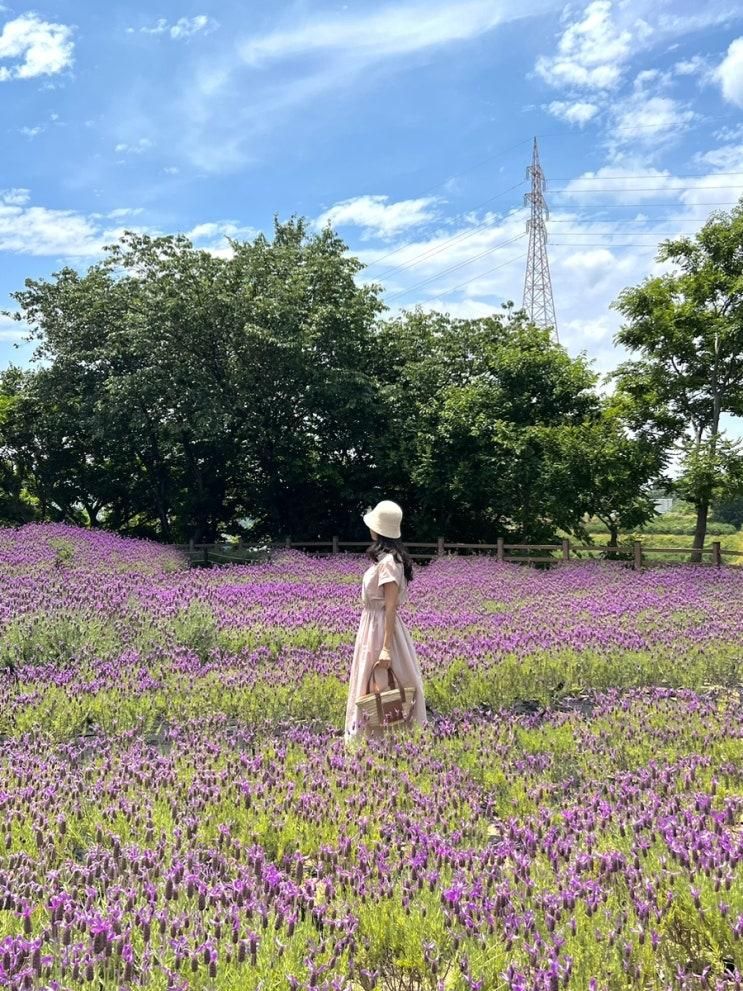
(207, 554)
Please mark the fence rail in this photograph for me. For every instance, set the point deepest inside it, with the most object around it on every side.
(208, 554)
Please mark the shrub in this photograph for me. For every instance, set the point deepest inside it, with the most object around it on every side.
(57, 639)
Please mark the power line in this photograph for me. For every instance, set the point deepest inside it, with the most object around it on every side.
(450, 240)
(580, 244)
(649, 175)
(442, 245)
(641, 206)
(601, 244)
(649, 189)
(477, 165)
(457, 175)
(453, 268)
(631, 220)
(600, 118)
(616, 233)
(464, 235)
(488, 271)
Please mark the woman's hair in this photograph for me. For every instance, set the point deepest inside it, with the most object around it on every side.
(387, 545)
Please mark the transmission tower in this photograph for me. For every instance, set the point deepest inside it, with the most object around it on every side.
(538, 301)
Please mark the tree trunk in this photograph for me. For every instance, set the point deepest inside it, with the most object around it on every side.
(92, 512)
(613, 535)
(700, 531)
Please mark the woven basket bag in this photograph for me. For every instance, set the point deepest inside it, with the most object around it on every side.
(389, 708)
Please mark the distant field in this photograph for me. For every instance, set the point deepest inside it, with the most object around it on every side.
(729, 541)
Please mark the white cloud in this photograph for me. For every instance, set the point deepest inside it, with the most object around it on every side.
(34, 48)
(220, 228)
(389, 31)
(213, 236)
(377, 216)
(726, 158)
(184, 27)
(600, 41)
(592, 51)
(41, 231)
(465, 309)
(218, 117)
(617, 185)
(34, 230)
(125, 211)
(590, 260)
(594, 329)
(15, 197)
(138, 148)
(12, 330)
(160, 27)
(705, 15)
(646, 121)
(726, 133)
(31, 132)
(694, 66)
(577, 112)
(477, 257)
(729, 73)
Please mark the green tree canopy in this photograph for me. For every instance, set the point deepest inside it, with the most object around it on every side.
(176, 392)
(186, 391)
(686, 326)
(490, 427)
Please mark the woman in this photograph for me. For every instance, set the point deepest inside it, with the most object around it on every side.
(382, 637)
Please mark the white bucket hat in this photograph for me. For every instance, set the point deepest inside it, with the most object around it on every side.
(384, 519)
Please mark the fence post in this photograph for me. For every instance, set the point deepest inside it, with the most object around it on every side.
(637, 546)
(566, 550)
(499, 551)
(335, 545)
(190, 545)
(287, 541)
(206, 554)
(716, 555)
(440, 548)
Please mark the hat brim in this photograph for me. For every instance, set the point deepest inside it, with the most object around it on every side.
(373, 524)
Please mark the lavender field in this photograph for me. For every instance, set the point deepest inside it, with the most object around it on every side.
(178, 808)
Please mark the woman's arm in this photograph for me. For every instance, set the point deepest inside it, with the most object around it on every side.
(391, 595)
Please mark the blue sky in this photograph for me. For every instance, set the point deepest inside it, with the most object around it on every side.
(408, 125)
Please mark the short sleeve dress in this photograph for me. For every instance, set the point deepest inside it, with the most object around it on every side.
(370, 638)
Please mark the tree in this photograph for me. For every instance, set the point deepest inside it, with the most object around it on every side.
(16, 506)
(306, 372)
(712, 471)
(687, 327)
(182, 391)
(729, 510)
(40, 427)
(616, 471)
(479, 412)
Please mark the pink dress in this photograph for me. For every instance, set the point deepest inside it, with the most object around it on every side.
(370, 638)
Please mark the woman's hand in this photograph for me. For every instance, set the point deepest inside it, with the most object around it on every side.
(384, 659)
